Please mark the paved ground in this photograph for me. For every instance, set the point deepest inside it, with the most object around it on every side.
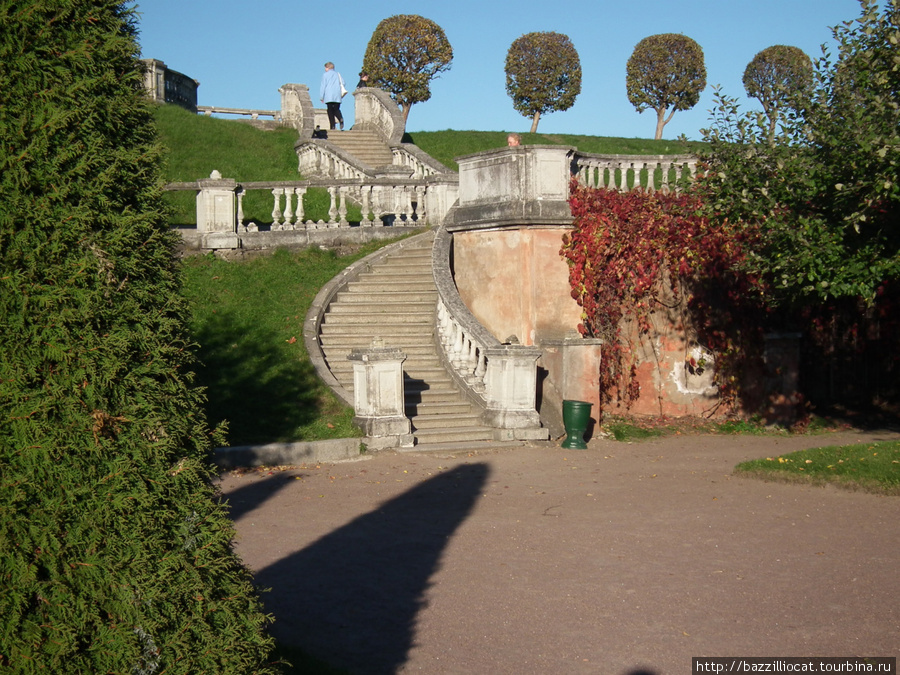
(621, 559)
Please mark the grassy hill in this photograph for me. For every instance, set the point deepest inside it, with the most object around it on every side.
(445, 146)
(198, 144)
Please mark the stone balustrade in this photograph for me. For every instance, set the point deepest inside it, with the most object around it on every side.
(323, 158)
(500, 378)
(210, 110)
(381, 203)
(663, 173)
(419, 163)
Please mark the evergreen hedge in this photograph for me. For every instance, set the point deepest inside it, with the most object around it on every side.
(115, 555)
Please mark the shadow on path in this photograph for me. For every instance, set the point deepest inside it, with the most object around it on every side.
(351, 598)
(253, 495)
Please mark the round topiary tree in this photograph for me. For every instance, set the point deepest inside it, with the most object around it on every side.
(404, 54)
(543, 74)
(665, 72)
(780, 77)
(115, 555)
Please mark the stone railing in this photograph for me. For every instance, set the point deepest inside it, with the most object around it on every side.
(384, 203)
(375, 110)
(420, 163)
(210, 110)
(664, 173)
(500, 378)
(323, 158)
(381, 202)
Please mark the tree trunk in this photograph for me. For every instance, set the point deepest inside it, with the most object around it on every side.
(534, 122)
(660, 122)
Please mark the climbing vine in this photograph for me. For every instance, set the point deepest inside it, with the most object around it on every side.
(633, 254)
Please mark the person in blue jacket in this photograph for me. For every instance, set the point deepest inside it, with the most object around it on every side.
(331, 92)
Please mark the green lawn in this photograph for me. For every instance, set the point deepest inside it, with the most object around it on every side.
(873, 467)
(248, 322)
(445, 146)
(196, 145)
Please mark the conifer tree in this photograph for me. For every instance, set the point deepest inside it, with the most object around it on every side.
(115, 555)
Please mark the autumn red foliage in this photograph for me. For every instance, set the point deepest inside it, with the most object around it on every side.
(632, 254)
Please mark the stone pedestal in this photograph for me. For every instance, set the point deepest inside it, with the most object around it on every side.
(510, 389)
(571, 370)
(378, 396)
(216, 221)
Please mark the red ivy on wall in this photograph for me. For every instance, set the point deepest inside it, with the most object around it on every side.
(631, 253)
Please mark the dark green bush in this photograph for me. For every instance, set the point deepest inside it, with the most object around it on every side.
(115, 556)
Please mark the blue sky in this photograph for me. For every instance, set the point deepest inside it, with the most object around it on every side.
(241, 52)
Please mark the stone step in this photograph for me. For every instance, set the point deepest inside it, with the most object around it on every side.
(426, 408)
(416, 397)
(417, 351)
(411, 344)
(451, 447)
(380, 307)
(390, 285)
(459, 434)
(365, 145)
(446, 421)
(414, 367)
(362, 295)
(376, 318)
(390, 334)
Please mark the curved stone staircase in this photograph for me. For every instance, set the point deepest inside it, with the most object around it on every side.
(395, 300)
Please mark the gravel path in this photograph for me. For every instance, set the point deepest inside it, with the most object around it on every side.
(621, 559)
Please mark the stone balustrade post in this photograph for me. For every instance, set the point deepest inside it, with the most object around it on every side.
(297, 109)
(511, 388)
(216, 212)
(378, 396)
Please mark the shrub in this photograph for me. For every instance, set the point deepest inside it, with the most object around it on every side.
(115, 555)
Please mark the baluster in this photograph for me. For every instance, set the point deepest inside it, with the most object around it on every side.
(456, 348)
(583, 174)
(300, 191)
(480, 370)
(392, 201)
(620, 186)
(332, 209)
(342, 209)
(240, 209)
(664, 183)
(443, 325)
(691, 168)
(288, 209)
(276, 210)
(406, 196)
(470, 362)
(421, 215)
(367, 218)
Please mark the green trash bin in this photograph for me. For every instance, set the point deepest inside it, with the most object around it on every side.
(576, 417)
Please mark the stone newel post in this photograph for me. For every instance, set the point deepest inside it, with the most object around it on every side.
(510, 387)
(378, 396)
(216, 212)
